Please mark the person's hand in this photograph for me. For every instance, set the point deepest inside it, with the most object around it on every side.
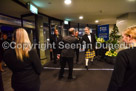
(50, 50)
(58, 56)
(82, 49)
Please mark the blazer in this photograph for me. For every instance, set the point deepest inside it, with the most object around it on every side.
(26, 72)
(124, 74)
(86, 39)
(56, 40)
(68, 52)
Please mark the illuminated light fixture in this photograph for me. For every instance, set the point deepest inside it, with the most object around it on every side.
(66, 22)
(33, 9)
(96, 21)
(131, 0)
(81, 17)
(67, 2)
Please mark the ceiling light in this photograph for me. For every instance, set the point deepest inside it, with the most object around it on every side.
(96, 21)
(131, 0)
(81, 17)
(67, 2)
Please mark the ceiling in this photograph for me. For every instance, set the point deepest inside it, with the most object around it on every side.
(106, 11)
(11, 8)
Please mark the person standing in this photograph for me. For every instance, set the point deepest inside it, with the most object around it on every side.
(1, 82)
(67, 54)
(1, 53)
(77, 49)
(89, 39)
(24, 63)
(7, 42)
(124, 74)
(56, 38)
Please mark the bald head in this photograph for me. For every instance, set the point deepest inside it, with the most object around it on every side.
(71, 31)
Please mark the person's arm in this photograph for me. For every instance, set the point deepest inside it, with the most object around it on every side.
(51, 42)
(94, 42)
(61, 40)
(118, 74)
(81, 41)
(36, 61)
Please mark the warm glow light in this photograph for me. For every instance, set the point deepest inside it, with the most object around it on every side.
(96, 21)
(67, 2)
(81, 17)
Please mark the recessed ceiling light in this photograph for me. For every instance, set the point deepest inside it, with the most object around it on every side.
(96, 21)
(67, 2)
(81, 17)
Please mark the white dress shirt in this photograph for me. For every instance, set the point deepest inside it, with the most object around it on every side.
(89, 37)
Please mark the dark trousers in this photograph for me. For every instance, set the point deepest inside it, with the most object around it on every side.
(1, 83)
(55, 55)
(63, 62)
(51, 56)
(77, 55)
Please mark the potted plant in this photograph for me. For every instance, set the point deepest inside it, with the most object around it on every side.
(112, 48)
(100, 50)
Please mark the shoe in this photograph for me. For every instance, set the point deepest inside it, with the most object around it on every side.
(86, 67)
(72, 78)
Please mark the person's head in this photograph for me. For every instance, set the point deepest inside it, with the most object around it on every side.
(129, 35)
(5, 36)
(87, 30)
(23, 44)
(56, 32)
(71, 31)
(76, 33)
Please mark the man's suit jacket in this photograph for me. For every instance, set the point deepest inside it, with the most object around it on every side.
(87, 41)
(56, 40)
(69, 52)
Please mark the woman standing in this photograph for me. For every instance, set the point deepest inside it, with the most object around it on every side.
(124, 74)
(24, 63)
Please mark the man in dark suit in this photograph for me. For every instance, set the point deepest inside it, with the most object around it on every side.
(56, 38)
(67, 54)
(77, 49)
(89, 39)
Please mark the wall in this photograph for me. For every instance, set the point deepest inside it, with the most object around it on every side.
(111, 27)
(126, 20)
